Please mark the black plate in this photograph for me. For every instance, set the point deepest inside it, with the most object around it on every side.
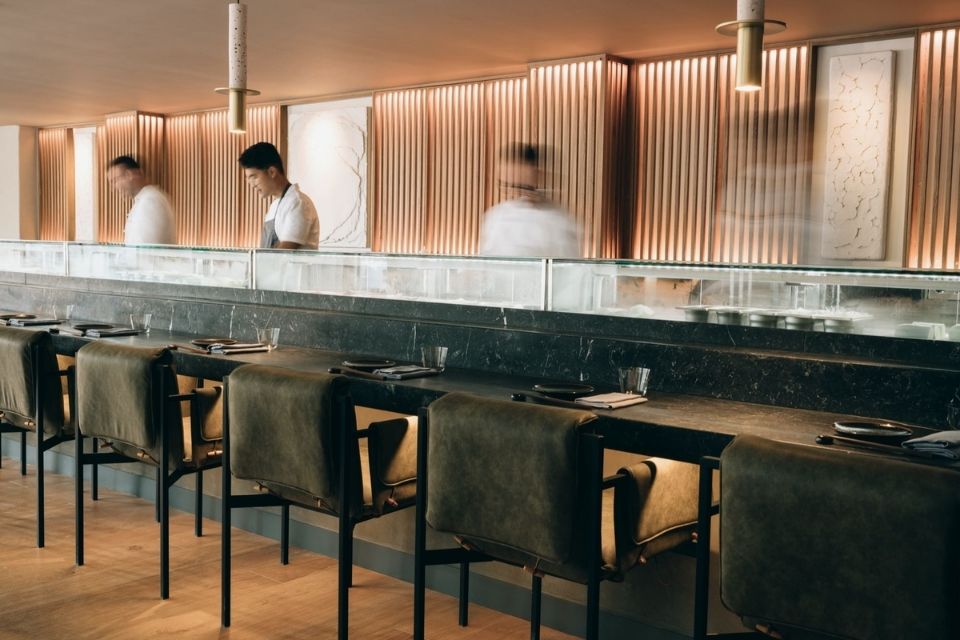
(206, 342)
(368, 364)
(563, 390)
(872, 428)
(17, 316)
(86, 326)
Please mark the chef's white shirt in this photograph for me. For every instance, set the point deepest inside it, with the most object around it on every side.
(295, 219)
(528, 228)
(150, 220)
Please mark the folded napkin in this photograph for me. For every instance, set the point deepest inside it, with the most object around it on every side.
(406, 371)
(29, 322)
(67, 331)
(942, 444)
(115, 331)
(227, 349)
(610, 400)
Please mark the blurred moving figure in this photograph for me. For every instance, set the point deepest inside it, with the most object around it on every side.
(529, 225)
(150, 220)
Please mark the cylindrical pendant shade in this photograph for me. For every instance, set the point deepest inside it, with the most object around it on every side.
(237, 113)
(750, 57)
(237, 46)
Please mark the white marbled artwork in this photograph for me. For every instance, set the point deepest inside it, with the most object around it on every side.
(857, 156)
(327, 158)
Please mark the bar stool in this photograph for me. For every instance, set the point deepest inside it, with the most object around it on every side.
(294, 435)
(128, 397)
(543, 504)
(825, 543)
(29, 381)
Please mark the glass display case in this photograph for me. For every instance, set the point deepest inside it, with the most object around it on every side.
(156, 263)
(888, 303)
(26, 256)
(494, 282)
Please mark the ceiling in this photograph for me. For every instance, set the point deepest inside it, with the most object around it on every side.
(71, 61)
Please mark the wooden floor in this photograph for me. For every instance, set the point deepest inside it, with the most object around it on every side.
(116, 594)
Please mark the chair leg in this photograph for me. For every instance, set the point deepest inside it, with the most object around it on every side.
(40, 514)
(420, 530)
(95, 473)
(78, 479)
(702, 579)
(345, 575)
(593, 610)
(198, 507)
(164, 538)
(23, 453)
(536, 596)
(464, 592)
(157, 505)
(225, 531)
(285, 534)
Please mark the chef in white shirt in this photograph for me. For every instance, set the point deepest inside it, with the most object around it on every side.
(529, 225)
(291, 221)
(150, 220)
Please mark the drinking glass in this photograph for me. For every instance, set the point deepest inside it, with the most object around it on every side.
(269, 336)
(141, 322)
(71, 308)
(634, 380)
(434, 357)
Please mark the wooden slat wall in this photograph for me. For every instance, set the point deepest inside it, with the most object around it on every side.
(722, 176)
(615, 226)
(507, 122)
(933, 230)
(400, 180)
(763, 167)
(117, 136)
(211, 200)
(55, 149)
(567, 104)
(457, 152)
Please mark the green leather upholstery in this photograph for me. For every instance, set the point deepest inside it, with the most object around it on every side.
(118, 394)
(283, 432)
(18, 400)
(820, 542)
(392, 454)
(655, 509)
(507, 478)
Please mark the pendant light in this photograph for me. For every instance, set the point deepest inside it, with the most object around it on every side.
(237, 53)
(749, 29)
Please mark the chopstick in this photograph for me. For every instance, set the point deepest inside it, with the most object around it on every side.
(356, 373)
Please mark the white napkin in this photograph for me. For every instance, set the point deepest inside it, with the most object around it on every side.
(610, 400)
(943, 444)
(250, 347)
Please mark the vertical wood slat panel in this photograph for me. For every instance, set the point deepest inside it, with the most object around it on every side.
(571, 107)
(211, 201)
(116, 137)
(933, 237)
(57, 188)
(721, 176)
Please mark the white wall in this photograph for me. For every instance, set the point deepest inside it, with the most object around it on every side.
(84, 139)
(327, 155)
(19, 218)
(899, 178)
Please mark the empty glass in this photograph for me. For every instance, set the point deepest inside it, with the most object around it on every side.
(70, 308)
(140, 321)
(434, 357)
(634, 380)
(269, 336)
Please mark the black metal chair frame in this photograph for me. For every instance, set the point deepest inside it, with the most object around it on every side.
(165, 478)
(44, 443)
(347, 496)
(593, 446)
(706, 508)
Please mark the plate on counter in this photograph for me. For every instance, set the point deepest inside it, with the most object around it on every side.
(86, 326)
(206, 342)
(17, 316)
(563, 390)
(368, 364)
(872, 428)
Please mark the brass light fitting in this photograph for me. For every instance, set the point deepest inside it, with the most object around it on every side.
(237, 53)
(749, 29)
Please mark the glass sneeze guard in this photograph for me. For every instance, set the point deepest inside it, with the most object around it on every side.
(33, 256)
